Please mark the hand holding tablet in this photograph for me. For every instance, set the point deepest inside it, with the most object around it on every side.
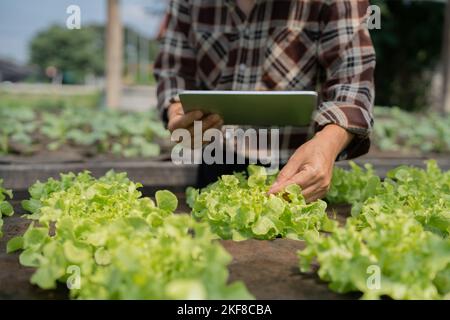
(258, 108)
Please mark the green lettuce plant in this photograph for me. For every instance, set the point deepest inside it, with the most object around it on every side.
(402, 229)
(354, 185)
(422, 194)
(6, 208)
(93, 131)
(237, 207)
(106, 241)
(412, 263)
(428, 132)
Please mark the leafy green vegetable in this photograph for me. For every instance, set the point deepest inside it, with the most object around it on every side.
(166, 200)
(422, 194)
(16, 127)
(409, 258)
(428, 132)
(23, 131)
(402, 228)
(6, 208)
(117, 244)
(14, 244)
(354, 185)
(238, 208)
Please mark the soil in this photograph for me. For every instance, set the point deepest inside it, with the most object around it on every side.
(71, 153)
(269, 269)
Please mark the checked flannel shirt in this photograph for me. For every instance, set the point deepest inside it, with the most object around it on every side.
(321, 45)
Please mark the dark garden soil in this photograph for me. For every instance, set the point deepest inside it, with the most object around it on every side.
(268, 268)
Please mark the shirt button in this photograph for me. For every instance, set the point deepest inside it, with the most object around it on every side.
(242, 67)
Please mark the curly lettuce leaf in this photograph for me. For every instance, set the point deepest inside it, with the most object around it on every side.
(6, 208)
(354, 185)
(408, 257)
(121, 245)
(402, 229)
(238, 207)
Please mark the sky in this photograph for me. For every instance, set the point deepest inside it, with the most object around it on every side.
(20, 20)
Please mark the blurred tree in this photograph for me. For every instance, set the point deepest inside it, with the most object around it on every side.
(408, 50)
(75, 53)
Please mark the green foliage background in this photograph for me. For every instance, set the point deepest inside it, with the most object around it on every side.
(74, 52)
(78, 53)
(408, 47)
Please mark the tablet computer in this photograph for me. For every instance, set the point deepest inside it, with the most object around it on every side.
(258, 108)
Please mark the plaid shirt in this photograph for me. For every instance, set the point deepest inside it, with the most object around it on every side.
(319, 45)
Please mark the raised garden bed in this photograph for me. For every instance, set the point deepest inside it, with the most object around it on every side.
(150, 173)
(159, 172)
(268, 268)
(75, 134)
(382, 164)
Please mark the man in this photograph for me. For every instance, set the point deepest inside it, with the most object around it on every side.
(276, 45)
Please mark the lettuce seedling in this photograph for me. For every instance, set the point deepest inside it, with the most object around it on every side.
(238, 207)
(401, 232)
(106, 241)
(6, 208)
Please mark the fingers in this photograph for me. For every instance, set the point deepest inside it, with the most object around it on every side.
(175, 109)
(304, 179)
(310, 167)
(178, 119)
(290, 169)
(286, 175)
(211, 121)
(284, 178)
(208, 122)
(311, 190)
(314, 183)
(314, 192)
(184, 120)
(218, 125)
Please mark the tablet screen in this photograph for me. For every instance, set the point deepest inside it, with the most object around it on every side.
(259, 108)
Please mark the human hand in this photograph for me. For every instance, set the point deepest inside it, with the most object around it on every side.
(180, 120)
(311, 166)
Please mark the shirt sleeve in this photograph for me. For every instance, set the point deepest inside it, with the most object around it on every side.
(347, 56)
(175, 65)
